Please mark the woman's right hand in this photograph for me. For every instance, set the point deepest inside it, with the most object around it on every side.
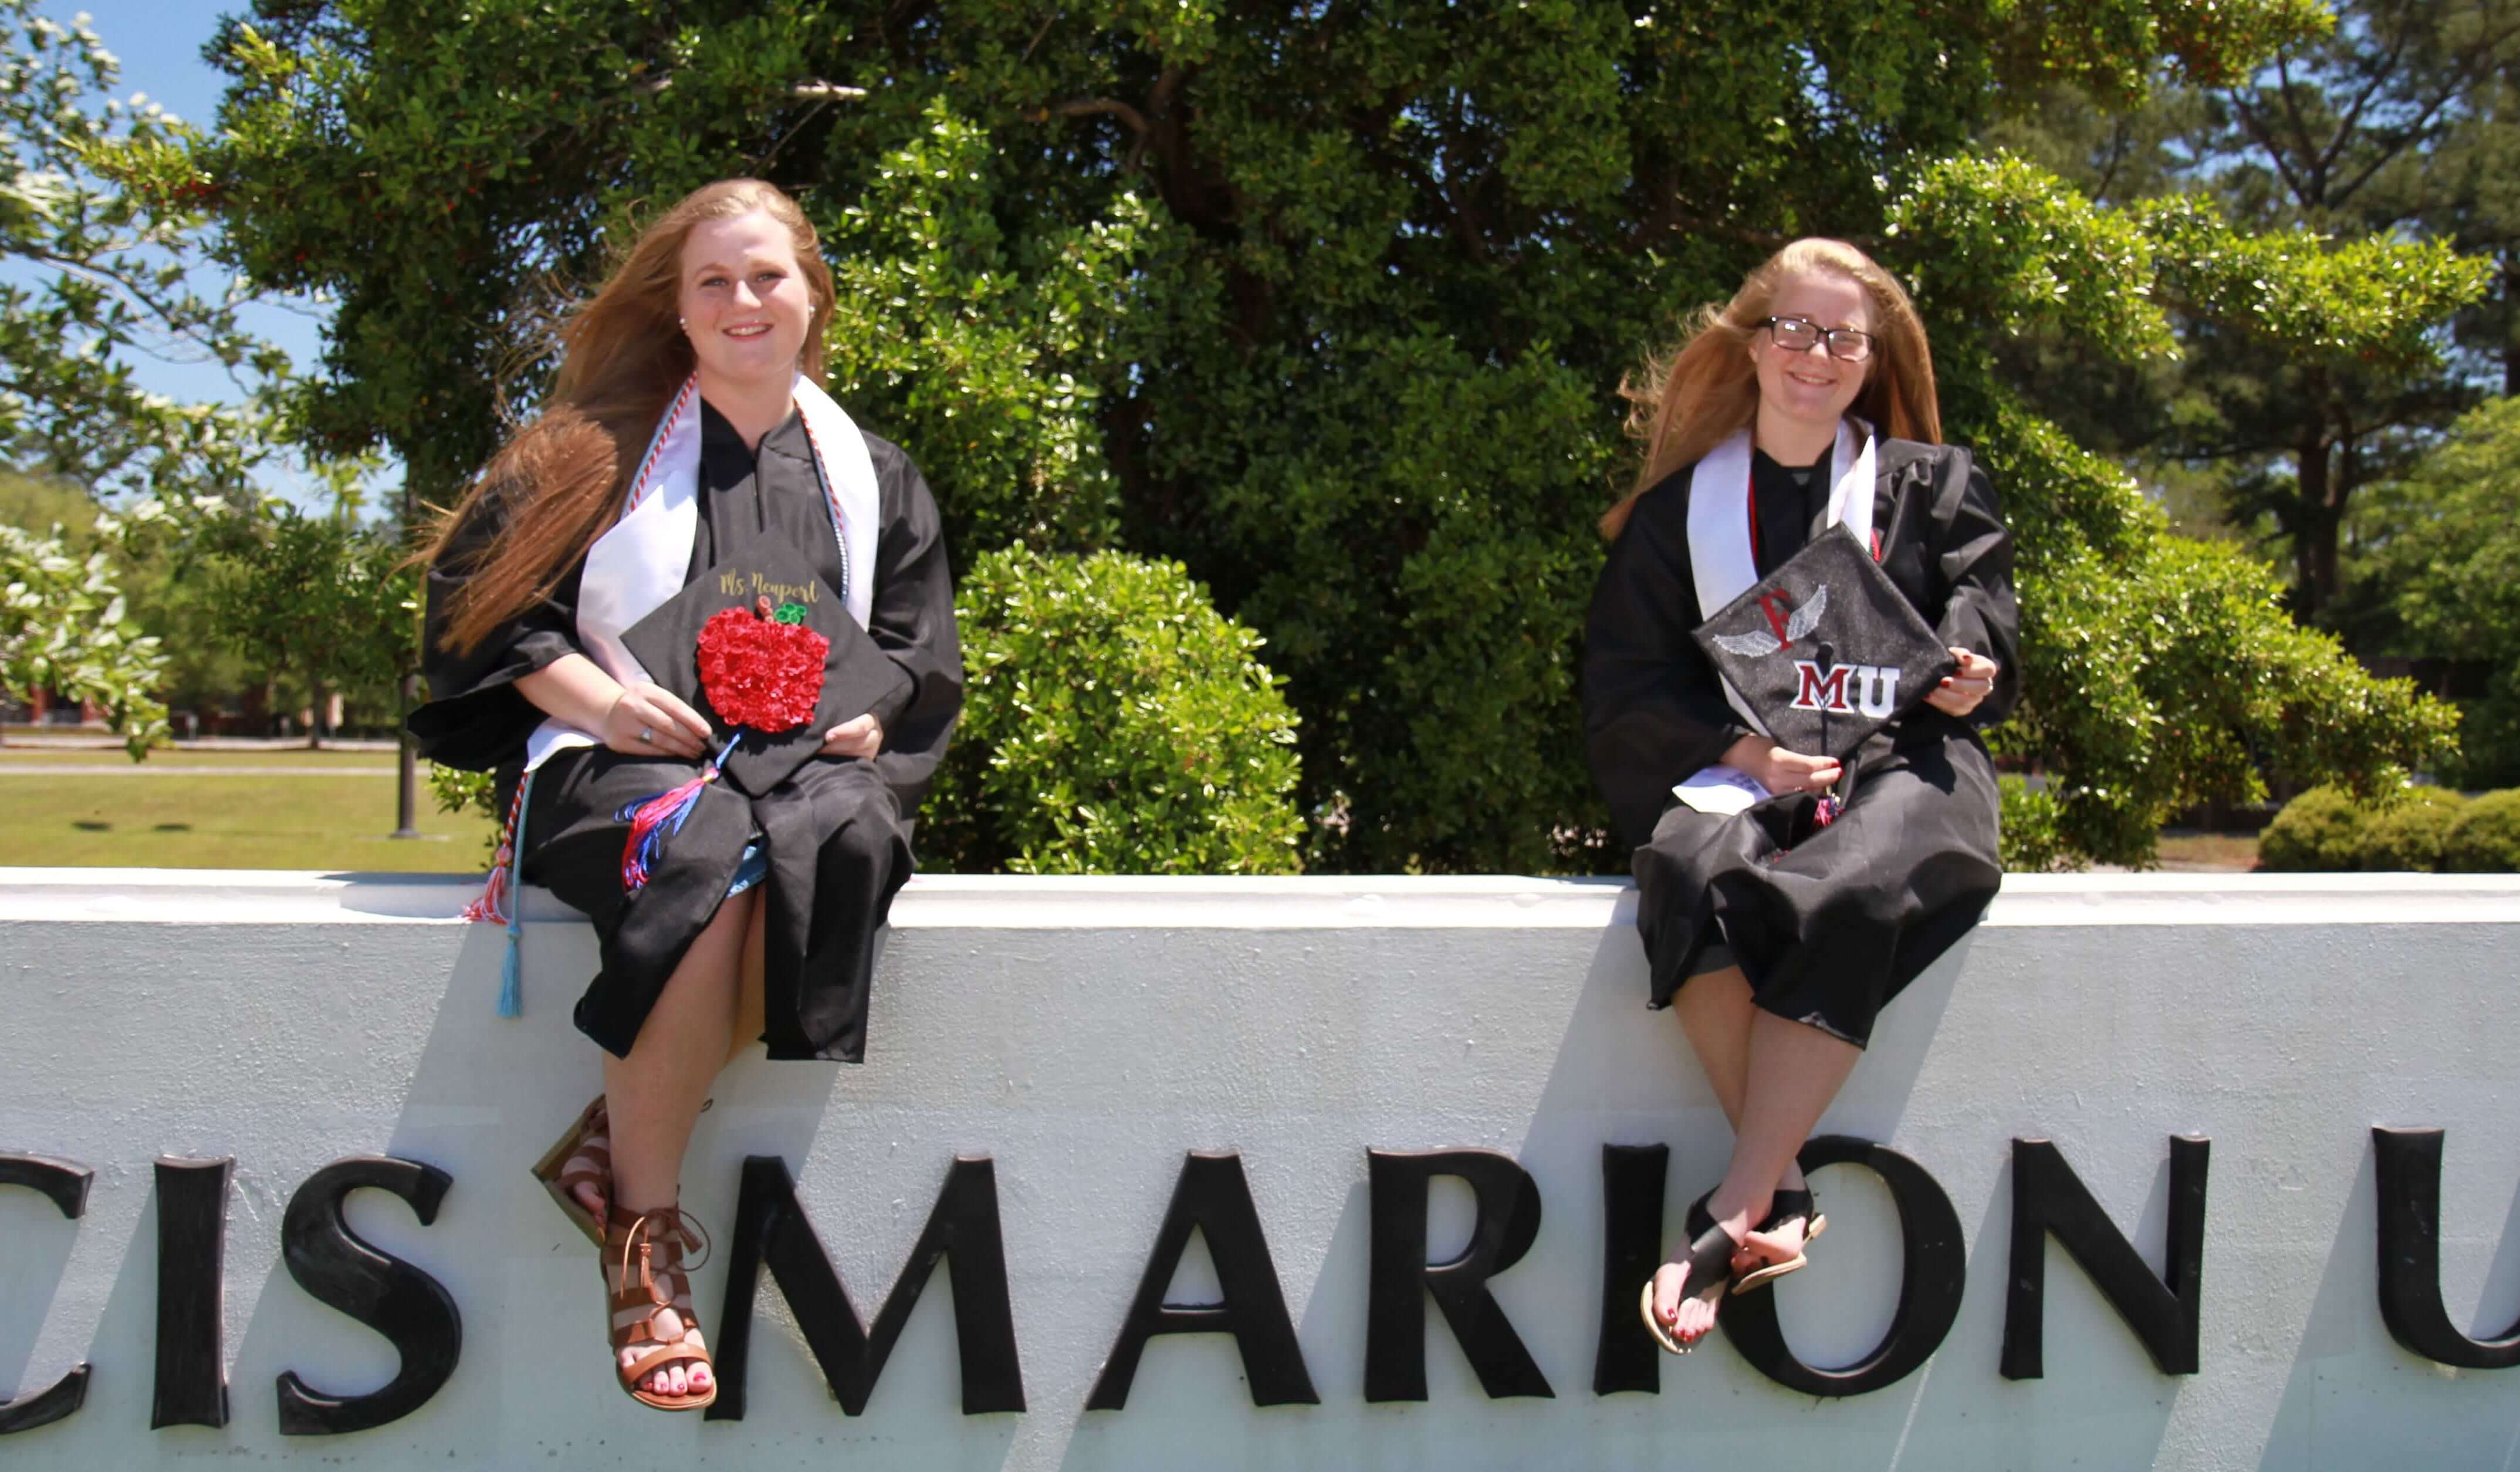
(1778, 770)
(649, 720)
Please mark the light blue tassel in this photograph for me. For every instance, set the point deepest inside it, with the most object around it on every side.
(511, 989)
(512, 1000)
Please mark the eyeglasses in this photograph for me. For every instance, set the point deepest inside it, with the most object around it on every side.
(1799, 334)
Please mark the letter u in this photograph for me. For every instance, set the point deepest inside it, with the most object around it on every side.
(1877, 690)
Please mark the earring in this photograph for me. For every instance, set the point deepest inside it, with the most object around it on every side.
(685, 323)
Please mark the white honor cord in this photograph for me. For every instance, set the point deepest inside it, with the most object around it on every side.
(1721, 562)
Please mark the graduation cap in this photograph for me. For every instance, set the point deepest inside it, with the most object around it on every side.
(1826, 649)
(761, 646)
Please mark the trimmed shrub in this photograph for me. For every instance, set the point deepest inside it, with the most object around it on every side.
(2486, 839)
(2319, 832)
(461, 792)
(2407, 834)
(2033, 839)
(1114, 724)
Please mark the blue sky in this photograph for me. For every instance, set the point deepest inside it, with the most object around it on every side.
(160, 45)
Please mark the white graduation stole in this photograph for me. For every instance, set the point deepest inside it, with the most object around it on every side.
(634, 568)
(1720, 559)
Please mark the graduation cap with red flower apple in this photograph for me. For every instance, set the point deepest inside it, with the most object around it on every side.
(763, 648)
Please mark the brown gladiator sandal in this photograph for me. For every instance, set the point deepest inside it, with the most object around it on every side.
(581, 1156)
(645, 1274)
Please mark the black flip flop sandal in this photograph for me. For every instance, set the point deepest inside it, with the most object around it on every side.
(1709, 1262)
(1785, 1207)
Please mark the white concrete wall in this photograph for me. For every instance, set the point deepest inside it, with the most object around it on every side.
(1087, 1032)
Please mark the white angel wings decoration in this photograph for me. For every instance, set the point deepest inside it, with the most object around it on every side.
(1798, 625)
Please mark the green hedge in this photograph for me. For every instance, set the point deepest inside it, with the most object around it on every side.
(2422, 828)
(2486, 839)
(2032, 837)
(2319, 831)
(1114, 724)
(2408, 834)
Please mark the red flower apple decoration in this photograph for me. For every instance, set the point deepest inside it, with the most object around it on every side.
(761, 669)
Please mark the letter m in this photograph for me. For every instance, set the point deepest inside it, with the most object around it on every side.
(1818, 691)
(770, 1228)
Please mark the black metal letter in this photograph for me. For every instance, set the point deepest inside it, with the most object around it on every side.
(1213, 1198)
(66, 1181)
(191, 1387)
(771, 1226)
(2163, 1311)
(409, 1309)
(1506, 1222)
(1930, 1279)
(1631, 1177)
(2406, 1168)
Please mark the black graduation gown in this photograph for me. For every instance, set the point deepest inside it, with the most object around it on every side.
(836, 835)
(1833, 927)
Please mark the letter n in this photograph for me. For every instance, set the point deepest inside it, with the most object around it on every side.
(1505, 1223)
(771, 1228)
(65, 1182)
(2407, 1170)
(1213, 1198)
(2047, 1197)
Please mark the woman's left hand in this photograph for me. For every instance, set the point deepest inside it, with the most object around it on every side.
(861, 737)
(1964, 688)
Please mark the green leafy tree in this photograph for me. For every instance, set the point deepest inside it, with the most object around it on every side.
(2160, 672)
(63, 627)
(2357, 159)
(1330, 304)
(100, 211)
(315, 597)
(2444, 559)
(147, 560)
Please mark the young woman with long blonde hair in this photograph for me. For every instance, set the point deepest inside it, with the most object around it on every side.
(686, 427)
(1806, 399)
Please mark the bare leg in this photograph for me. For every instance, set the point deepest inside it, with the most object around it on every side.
(654, 1094)
(746, 1031)
(1775, 1079)
(748, 985)
(1715, 1011)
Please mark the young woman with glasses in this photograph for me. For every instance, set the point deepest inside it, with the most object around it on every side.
(1815, 376)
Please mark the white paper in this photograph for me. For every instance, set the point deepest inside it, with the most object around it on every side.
(1720, 789)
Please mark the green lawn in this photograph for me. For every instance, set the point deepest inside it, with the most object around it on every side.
(264, 809)
(214, 811)
(115, 757)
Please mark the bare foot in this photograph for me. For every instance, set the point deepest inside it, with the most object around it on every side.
(592, 1164)
(1781, 1243)
(648, 1277)
(690, 1378)
(1764, 1249)
(1686, 1314)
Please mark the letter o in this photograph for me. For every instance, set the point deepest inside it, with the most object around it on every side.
(1932, 1276)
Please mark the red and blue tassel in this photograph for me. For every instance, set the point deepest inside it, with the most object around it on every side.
(651, 819)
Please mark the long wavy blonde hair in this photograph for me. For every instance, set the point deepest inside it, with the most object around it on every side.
(622, 358)
(1690, 402)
